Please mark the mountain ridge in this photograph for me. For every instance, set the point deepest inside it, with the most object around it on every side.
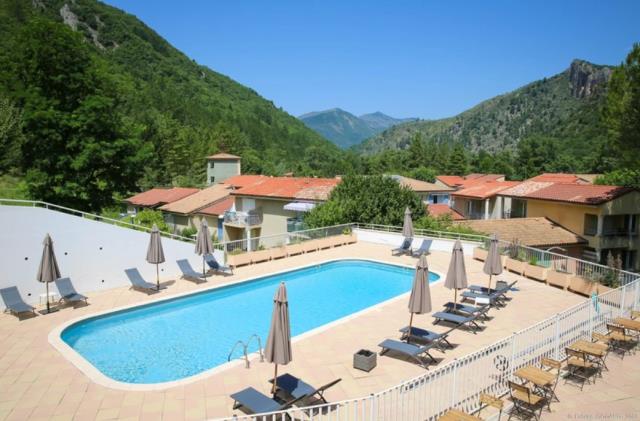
(558, 106)
(346, 129)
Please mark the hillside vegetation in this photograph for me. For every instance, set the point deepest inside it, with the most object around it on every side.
(168, 111)
(565, 106)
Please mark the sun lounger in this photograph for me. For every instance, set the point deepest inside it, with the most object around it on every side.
(427, 336)
(405, 247)
(410, 350)
(423, 249)
(494, 299)
(138, 282)
(485, 290)
(14, 302)
(215, 266)
(469, 321)
(257, 402)
(67, 292)
(467, 309)
(299, 389)
(188, 272)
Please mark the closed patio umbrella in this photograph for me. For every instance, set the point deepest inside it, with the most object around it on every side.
(155, 254)
(457, 274)
(493, 264)
(48, 271)
(203, 244)
(407, 226)
(420, 299)
(278, 347)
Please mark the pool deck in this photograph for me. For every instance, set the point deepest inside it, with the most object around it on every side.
(37, 382)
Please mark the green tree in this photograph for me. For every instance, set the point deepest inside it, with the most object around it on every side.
(11, 137)
(457, 163)
(622, 109)
(80, 148)
(367, 199)
(424, 173)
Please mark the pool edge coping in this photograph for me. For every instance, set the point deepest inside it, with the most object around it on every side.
(96, 376)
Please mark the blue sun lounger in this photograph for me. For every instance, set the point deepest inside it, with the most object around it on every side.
(257, 402)
(14, 302)
(484, 290)
(138, 282)
(297, 388)
(215, 266)
(469, 321)
(405, 247)
(440, 339)
(423, 249)
(67, 292)
(188, 272)
(409, 350)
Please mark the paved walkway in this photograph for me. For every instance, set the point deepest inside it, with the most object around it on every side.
(37, 382)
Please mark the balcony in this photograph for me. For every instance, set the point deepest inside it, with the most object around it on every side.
(242, 219)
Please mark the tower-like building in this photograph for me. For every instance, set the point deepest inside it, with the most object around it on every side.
(222, 166)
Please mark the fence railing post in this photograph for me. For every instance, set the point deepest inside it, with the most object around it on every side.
(557, 337)
(623, 297)
(454, 383)
(372, 415)
(637, 295)
(590, 319)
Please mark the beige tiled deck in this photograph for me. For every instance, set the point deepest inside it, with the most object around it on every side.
(37, 382)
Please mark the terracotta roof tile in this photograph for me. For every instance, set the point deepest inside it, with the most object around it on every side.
(438, 209)
(556, 178)
(291, 188)
(218, 208)
(197, 201)
(533, 232)
(240, 181)
(525, 188)
(468, 180)
(157, 197)
(586, 194)
(419, 185)
(484, 190)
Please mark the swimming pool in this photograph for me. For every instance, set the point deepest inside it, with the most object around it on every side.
(178, 338)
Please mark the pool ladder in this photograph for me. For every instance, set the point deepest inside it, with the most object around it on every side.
(245, 346)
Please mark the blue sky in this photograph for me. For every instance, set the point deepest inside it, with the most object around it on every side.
(422, 59)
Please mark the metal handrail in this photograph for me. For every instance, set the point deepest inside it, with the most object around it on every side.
(255, 335)
(88, 215)
(244, 352)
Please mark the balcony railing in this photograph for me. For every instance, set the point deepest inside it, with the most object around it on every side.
(242, 219)
(619, 232)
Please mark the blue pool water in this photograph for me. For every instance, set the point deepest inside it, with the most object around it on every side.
(182, 337)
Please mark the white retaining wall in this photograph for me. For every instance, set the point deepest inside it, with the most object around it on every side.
(93, 254)
(394, 240)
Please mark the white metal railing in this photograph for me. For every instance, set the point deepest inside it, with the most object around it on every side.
(476, 238)
(244, 219)
(87, 215)
(278, 240)
(459, 383)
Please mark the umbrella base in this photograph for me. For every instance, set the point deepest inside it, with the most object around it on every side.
(51, 310)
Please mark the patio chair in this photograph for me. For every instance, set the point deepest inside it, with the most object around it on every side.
(188, 272)
(579, 366)
(458, 320)
(555, 367)
(68, 293)
(138, 282)
(405, 247)
(423, 335)
(490, 401)
(525, 401)
(410, 350)
(620, 340)
(257, 402)
(14, 303)
(215, 266)
(424, 248)
(484, 290)
(296, 388)
(480, 311)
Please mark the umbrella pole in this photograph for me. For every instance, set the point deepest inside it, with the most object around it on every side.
(409, 332)
(489, 287)
(455, 295)
(204, 273)
(47, 287)
(275, 376)
(157, 277)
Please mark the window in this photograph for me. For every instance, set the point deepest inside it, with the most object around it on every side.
(212, 179)
(211, 164)
(590, 224)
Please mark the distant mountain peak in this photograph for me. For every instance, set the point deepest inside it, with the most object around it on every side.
(345, 129)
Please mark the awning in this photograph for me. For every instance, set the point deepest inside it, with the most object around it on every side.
(299, 206)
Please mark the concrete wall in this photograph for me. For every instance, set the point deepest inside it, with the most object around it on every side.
(394, 240)
(93, 254)
(221, 170)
